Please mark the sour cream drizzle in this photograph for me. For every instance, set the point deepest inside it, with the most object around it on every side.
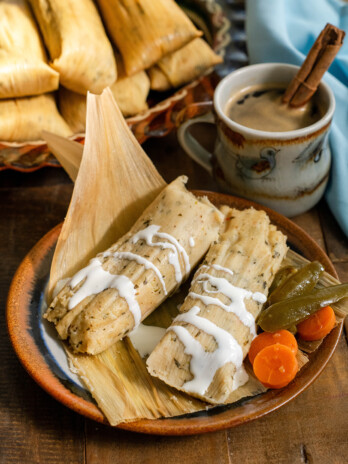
(145, 262)
(153, 231)
(97, 280)
(235, 294)
(203, 365)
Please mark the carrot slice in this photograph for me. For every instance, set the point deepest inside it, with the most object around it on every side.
(284, 337)
(275, 365)
(318, 325)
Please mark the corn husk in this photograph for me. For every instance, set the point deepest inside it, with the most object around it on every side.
(112, 158)
(130, 94)
(68, 152)
(253, 250)
(23, 119)
(111, 376)
(104, 317)
(183, 66)
(23, 67)
(146, 30)
(77, 43)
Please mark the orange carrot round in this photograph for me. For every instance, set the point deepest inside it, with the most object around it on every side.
(284, 337)
(275, 365)
(318, 325)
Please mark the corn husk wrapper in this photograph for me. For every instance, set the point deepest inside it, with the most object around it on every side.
(183, 65)
(88, 231)
(253, 250)
(111, 376)
(23, 119)
(146, 30)
(104, 317)
(68, 152)
(130, 94)
(23, 67)
(77, 43)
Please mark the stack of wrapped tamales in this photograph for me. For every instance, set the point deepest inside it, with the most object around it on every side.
(152, 45)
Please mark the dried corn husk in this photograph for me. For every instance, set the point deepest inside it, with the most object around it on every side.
(76, 40)
(68, 152)
(23, 68)
(103, 317)
(112, 158)
(252, 249)
(144, 31)
(130, 94)
(183, 66)
(23, 119)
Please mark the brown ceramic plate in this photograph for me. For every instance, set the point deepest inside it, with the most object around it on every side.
(45, 363)
(222, 22)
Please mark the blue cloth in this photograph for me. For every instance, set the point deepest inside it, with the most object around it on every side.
(284, 31)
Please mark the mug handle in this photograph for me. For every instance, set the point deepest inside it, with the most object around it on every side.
(193, 114)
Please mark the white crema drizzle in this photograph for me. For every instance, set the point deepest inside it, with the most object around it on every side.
(236, 296)
(145, 262)
(174, 258)
(96, 279)
(203, 365)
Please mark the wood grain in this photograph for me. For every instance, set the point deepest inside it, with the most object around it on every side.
(106, 445)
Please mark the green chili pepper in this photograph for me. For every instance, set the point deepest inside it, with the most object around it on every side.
(281, 277)
(300, 283)
(286, 313)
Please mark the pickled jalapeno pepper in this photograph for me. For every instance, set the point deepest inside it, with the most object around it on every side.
(287, 313)
(281, 277)
(300, 283)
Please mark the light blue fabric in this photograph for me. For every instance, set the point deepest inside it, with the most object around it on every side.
(284, 31)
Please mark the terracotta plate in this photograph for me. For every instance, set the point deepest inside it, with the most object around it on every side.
(43, 358)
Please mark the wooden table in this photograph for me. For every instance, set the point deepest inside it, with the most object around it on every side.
(35, 428)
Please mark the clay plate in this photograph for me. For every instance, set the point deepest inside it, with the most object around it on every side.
(24, 318)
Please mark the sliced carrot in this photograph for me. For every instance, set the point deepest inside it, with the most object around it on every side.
(318, 325)
(275, 365)
(284, 337)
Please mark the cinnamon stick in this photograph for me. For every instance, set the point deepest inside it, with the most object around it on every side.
(317, 62)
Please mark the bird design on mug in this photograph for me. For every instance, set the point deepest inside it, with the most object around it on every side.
(257, 168)
(313, 151)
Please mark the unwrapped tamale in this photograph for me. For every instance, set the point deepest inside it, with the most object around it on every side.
(203, 350)
(183, 65)
(76, 40)
(23, 67)
(130, 94)
(23, 119)
(120, 287)
(146, 30)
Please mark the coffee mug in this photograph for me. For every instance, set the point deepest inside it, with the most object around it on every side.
(286, 171)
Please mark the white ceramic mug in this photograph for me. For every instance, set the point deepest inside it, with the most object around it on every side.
(286, 171)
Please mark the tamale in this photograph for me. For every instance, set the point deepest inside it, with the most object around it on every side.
(23, 119)
(183, 65)
(130, 94)
(108, 298)
(76, 40)
(23, 67)
(203, 350)
(144, 31)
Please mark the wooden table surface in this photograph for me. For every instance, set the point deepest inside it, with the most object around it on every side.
(35, 428)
